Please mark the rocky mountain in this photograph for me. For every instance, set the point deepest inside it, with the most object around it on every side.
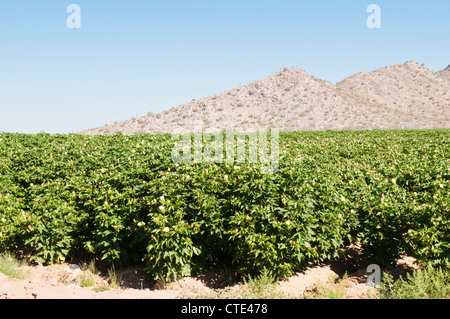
(411, 95)
(406, 96)
(445, 73)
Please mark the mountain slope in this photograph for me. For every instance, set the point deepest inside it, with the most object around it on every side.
(407, 96)
(445, 73)
(415, 96)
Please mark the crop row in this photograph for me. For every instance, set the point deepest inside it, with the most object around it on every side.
(123, 200)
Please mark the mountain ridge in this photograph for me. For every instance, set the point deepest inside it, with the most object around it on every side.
(445, 73)
(401, 96)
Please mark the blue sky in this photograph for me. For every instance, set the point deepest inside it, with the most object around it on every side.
(132, 57)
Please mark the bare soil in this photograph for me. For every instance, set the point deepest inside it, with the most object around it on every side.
(62, 282)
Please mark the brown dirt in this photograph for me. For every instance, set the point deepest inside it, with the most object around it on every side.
(60, 282)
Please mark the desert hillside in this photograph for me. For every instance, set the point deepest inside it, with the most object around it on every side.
(406, 96)
(410, 94)
(445, 73)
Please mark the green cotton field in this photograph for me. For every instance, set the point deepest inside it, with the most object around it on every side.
(123, 200)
